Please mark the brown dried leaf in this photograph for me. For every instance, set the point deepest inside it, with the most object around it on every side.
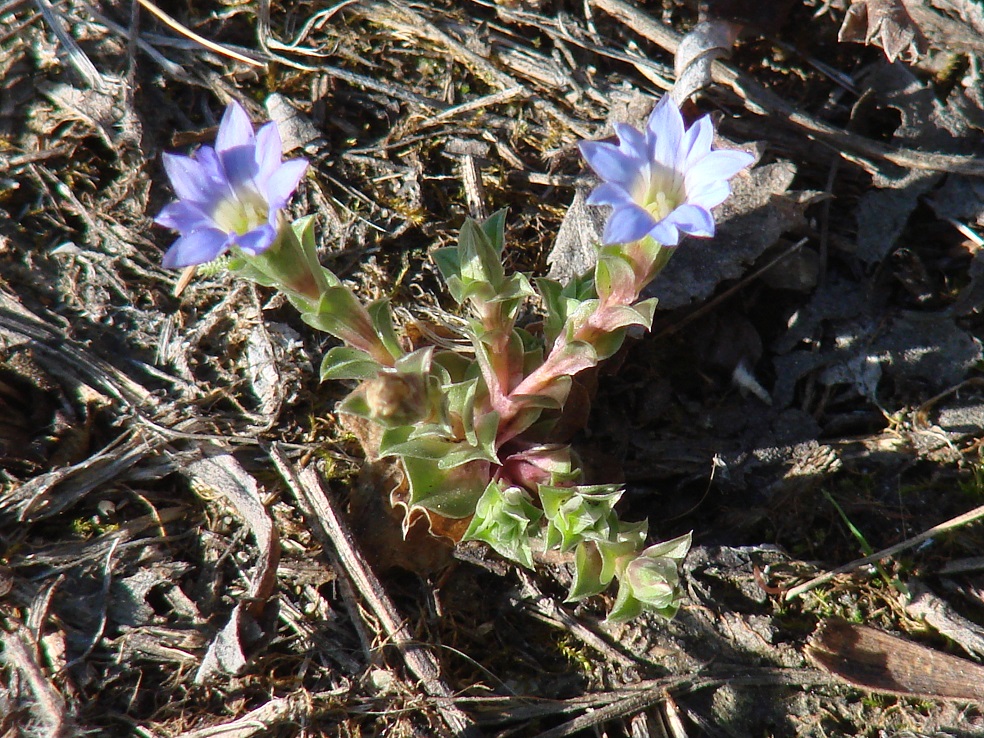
(874, 660)
(884, 23)
(247, 626)
(707, 41)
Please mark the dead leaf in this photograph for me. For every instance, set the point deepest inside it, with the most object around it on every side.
(296, 129)
(860, 345)
(707, 41)
(877, 661)
(575, 249)
(275, 364)
(250, 622)
(884, 23)
(34, 692)
(48, 494)
(926, 123)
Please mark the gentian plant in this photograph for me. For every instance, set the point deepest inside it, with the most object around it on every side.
(478, 426)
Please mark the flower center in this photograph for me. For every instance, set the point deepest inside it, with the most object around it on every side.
(241, 214)
(664, 193)
(660, 206)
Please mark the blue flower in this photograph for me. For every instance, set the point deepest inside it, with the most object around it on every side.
(230, 195)
(661, 181)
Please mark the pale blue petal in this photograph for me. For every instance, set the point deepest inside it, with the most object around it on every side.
(269, 150)
(239, 164)
(718, 164)
(609, 194)
(693, 220)
(710, 195)
(609, 163)
(665, 132)
(196, 248)
(257, 240)
(697, 141)
(188, 178)
(184, 216)
(212, 167)
(632, 141)
(235, 129)
(284, 181)
(628, 224)
(665, 233)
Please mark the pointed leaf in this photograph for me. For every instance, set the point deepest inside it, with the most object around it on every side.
(494, 229)
(416, 362)
(447, 262)
(344, 362)
(382, 322)
(588, 579)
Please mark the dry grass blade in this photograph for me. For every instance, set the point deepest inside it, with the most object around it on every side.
(210, 45)
(647, 694)
(297, 708)
(328, 524)
(402, 18)
(63, 358)
(76, 56)
(930, 608)
(48, 494)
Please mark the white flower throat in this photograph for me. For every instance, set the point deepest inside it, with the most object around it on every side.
(241, 214)
(663, 193)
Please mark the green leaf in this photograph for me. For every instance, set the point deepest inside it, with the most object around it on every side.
(504, 519)
(494, 229)
(626, 606)
(416, 362)
(382, 322)
(588, 567)
(560, 302)
(608, 344)
(614, 273)
(304, 231)
(576, 514)
(429, 442)
(676, 548)
(463, 453)
(480, 260)
(648, 582)
(344, 362)
(461, 402)
(486, 431)
(426, 442)
(355, 404)
(447, 261)
(452, 493)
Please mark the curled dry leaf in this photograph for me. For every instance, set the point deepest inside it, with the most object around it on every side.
(884, 23)
(709, 40)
